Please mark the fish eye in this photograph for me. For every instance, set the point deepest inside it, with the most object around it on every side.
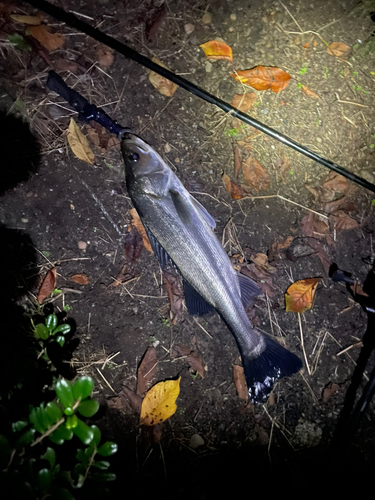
(133, 157)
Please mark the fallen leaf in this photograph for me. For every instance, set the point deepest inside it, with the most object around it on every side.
(105, 56)
(233, 189)
(216, 49)
(313, 227)
(282, 167)
(48, 285)
(264, 78)
(309, 92)
(321, 253)
(299, 296)
(357, 289)
(133, 246)
(278, 246)
(261, 261)
(306, 45)
(50, 41)
(329, 391)
(65, 65)
(192, 357)
(338, 49)
(164, 86)
(160, 402)
(240, 382)
(335, 182)
(342, 203)
(255, 175)
(175, 295)
(244, 102)
(146, 370)
(340, 221)
(81, 279)
(237, 161)
(298, 249)
(126, 395)
(155, 20)
(263, 279)
(78, 143)
(30, 20)
(137, 223)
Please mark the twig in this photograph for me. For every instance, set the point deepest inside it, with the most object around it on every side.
(105, 380)
(200, 326)
(302, 344)
(285, 199)
(291, 15)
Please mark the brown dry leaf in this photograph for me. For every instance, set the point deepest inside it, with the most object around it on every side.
(237, 161)
(329, 391)
(216, 49)
(244, 102)
(65, 65)
(78, 143)
(338, 49)
(160, 402)
(240, 383)
(313, 227)
(192, 357)
(263, 280)
(263, 78)
(261, 261)
(335, 182)
(277, 246)
(358, 289)
(282, 167)
(299, 296)
(81, 279)
(155, 20)
(245, 145)
(320, 252)
(255, 175)
(340, 221)
(48, 285)
(137, 223)
(93, 135)
(146, 370)
(233, 189)
(105, 56)
(50, 41)
(309, 92)
(133, 246)
(30, 20)
(175, 294)
(341, 204)
(164, 86)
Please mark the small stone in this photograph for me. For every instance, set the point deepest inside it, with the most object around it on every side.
(167, 148)
(206, 19)
(72, 207)
(189, 28)
(195, 441)
(30, 194)
(208, 67)
(233, 16)
(82, 245)
(25, 220)
(177, 160)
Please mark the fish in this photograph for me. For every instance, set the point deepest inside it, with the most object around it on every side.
(181, 233)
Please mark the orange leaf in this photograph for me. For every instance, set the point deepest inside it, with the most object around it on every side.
(48, 285)
(50, 41)
(263, 78)
(338, 49)
(233, 189)
(105, 56)
(340, 221)
(299, 296)
(163, 85)
(240, 382)
(255, 175)
(81, 279)
(215, 49)
(309, 92)
(137, 223)
(336, 182)
(243, 102)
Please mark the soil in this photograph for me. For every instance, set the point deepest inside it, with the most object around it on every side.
(58, 211)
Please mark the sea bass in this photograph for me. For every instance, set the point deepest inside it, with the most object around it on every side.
(181, 233)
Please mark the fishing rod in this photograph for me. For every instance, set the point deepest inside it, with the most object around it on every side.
(75, 23)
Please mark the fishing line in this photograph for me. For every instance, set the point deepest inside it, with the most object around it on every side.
(72, 21)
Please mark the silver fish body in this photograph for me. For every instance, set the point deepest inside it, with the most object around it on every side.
(178, 224)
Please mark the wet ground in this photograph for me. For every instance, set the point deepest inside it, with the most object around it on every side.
(77, 216)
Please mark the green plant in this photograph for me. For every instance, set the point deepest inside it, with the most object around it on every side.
(299, 85)
(303, 70)
(48, 331)
(165, 322)
(232, 132)
(32, 467)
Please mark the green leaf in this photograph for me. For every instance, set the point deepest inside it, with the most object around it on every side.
(61, 434)
(26, 438)
(19, 42)
(60, 339)
(83, 387)
(41, 331)
(69, 411)
(65, 328)
(53, 412)
(64, 392)
(103, 476)
(50, 456)
(71, 422)
(18, 426)
(88, 408)
(107, 449)
(83, 431)
(81, 457)
(36, 419)
(51, 322)
(44, 479)
(101, 464)
(64, 494)
(97, 436)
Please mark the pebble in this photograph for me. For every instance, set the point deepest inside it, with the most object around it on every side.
(82, 245)
(208, 67)
(206, 19)
(195, 441)
(233, 16)
(167, 148)
(189, 28)
(25, 220)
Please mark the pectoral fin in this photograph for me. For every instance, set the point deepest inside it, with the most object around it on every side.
(185, 209)
(162, 256)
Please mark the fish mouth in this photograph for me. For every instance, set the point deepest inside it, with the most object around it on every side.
(136, 141)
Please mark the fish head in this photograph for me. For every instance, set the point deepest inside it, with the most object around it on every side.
(145, 170)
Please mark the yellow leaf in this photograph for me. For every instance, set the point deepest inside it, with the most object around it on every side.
(163, 85)
(299, 296)
(137, 223)
(160, 402)
(50, 41)
(30, 20)
(215, 49)
(78, 143)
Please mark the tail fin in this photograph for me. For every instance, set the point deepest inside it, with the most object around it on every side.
(262, 372)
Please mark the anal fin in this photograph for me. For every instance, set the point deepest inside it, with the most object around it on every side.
(195, 303)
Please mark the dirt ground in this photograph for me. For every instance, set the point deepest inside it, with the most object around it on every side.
(57, 210)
